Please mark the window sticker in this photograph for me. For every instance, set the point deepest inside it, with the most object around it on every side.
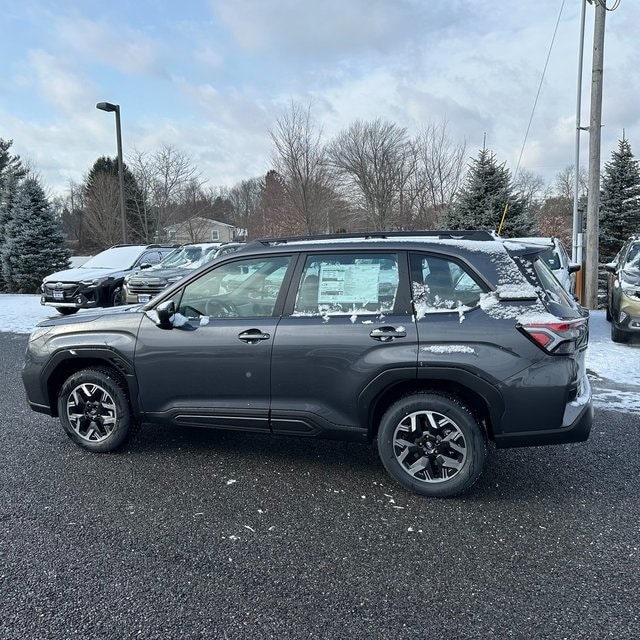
(348, 284)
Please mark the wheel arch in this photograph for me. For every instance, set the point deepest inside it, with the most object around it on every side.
(69, 361)
(484, 400)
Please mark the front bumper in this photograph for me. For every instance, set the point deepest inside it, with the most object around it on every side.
(80, 301)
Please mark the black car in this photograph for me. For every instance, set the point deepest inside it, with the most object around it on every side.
(98, 282)
(430, 344)
(623, 291)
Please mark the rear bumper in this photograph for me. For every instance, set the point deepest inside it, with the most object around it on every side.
(576, 425)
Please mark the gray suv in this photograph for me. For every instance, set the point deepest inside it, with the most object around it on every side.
(431, 344)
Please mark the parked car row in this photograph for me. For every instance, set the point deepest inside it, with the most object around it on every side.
(118, 275)
(623, 291)
(430, 344)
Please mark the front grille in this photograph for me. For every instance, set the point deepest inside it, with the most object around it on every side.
(69, 290)
(140, 288)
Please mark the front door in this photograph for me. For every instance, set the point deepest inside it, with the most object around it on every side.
(213, 367)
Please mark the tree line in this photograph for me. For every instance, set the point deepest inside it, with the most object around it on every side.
(372, 176)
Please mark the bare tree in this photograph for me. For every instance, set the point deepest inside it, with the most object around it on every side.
(555, 215)
(70, 209)
(164, 178)
(373, 161)
(245, 199)
(300, 159)
(439, 172)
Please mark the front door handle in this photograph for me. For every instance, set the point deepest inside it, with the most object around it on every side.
(253, 336)
(384, 334)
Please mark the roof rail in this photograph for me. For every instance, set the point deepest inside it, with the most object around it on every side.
(441, 234)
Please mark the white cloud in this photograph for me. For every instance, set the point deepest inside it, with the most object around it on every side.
(126, 49)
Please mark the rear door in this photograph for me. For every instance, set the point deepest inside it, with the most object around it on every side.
(347, 332)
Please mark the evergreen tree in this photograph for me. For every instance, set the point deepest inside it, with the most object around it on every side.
(11, 172)
(481, 201)
(34, 244)
(619, 200)
(102, 196)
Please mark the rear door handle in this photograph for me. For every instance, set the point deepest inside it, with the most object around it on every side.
(253, 336)
(384, 334)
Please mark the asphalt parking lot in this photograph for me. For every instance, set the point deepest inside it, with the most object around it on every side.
(206, 534)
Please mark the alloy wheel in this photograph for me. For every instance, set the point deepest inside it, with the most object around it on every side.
(429, 446)
(91, 411)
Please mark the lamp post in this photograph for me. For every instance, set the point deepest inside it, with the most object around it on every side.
(108, 106)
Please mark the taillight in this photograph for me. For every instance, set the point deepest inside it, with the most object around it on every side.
(556, 337)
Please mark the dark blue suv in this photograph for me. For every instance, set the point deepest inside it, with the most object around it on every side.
(429, 343)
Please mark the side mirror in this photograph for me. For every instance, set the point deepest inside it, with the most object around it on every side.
(574, 267)
(165, 310)
(610, 267)
(145, 265)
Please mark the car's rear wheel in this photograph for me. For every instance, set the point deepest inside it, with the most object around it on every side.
(432, 444)
(66, 311)
(94, 409)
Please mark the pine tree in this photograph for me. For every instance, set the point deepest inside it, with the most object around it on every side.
(619, 200)
(11, 172)
(481, 201)
(33, 246)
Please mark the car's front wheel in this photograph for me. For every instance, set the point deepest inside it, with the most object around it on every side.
(117, 297)
(432, 444)
(66, 311)
(94, 409)
(617, 335)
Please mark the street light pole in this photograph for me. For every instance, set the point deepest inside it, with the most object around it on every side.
(108, 106)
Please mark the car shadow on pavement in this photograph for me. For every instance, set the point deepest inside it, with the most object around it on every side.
(563, 471)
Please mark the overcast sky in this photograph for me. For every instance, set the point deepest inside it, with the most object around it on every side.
(210, 77)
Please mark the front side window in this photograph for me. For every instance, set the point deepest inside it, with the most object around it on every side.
(238, 289)
(347, 284)
(440, 284)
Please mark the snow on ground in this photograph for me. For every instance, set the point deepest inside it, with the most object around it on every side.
(614, 369)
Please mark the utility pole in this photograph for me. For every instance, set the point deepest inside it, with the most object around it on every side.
(593, 200)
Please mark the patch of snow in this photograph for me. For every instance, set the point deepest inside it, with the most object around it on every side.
(447, 348)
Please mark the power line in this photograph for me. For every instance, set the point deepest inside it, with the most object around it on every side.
(544, 71)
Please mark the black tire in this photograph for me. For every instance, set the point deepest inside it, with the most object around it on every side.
(94, 410)
(617, 335)
(117, 297)
(66, 311)
(432, 424)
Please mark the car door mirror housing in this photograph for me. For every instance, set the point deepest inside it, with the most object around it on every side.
(165, 311)
(573, 267)
(610, 267)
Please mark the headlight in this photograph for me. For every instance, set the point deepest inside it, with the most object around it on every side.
(174, 279)
(93, 283)
(629, 289)
(38, 332)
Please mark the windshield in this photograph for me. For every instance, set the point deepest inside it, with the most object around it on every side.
(180, 258)
(114, 258)
(633, 258)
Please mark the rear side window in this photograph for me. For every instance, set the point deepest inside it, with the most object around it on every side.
(439, 284)
(551, 259)
(347, 284)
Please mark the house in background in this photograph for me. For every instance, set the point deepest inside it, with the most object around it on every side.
(198, 229)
